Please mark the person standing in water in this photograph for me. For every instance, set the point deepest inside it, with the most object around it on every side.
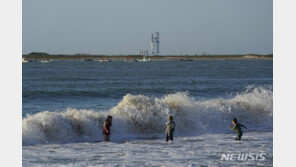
(106, 128)
(237, 128)
(170, 128)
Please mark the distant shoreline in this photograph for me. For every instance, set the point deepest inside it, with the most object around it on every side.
(45, 56)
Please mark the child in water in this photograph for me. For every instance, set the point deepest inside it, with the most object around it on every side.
(237, 128)
(106, 128)
(170, 128)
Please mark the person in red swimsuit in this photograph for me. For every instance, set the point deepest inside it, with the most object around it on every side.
(106, 128)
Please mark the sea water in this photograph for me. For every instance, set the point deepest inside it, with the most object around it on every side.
(66, 102)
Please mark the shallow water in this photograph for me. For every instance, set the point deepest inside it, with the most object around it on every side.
(203, 150)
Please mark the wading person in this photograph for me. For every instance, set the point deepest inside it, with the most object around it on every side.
(170, 128)
(106, 128)
(237, 128)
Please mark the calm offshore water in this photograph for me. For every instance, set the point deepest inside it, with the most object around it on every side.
(100, 86)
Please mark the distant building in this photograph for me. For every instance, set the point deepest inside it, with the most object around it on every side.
(143, 52)
(154, 43)
(154, 46)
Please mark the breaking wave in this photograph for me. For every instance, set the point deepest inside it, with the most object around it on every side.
(139, 115)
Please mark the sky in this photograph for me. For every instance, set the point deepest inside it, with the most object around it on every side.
(123, 27)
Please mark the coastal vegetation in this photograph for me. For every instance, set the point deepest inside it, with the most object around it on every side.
(45, 56)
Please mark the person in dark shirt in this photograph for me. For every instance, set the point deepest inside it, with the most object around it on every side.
(106, 128)
(237, 128)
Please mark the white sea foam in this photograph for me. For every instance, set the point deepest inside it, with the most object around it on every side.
(139, 115)
(201, 150)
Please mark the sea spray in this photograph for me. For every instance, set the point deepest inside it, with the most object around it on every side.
(69, 126)
(139, 115)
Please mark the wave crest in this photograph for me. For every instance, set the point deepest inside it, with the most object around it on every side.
(142, 115)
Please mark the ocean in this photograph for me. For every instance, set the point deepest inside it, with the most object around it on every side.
(65, 103)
